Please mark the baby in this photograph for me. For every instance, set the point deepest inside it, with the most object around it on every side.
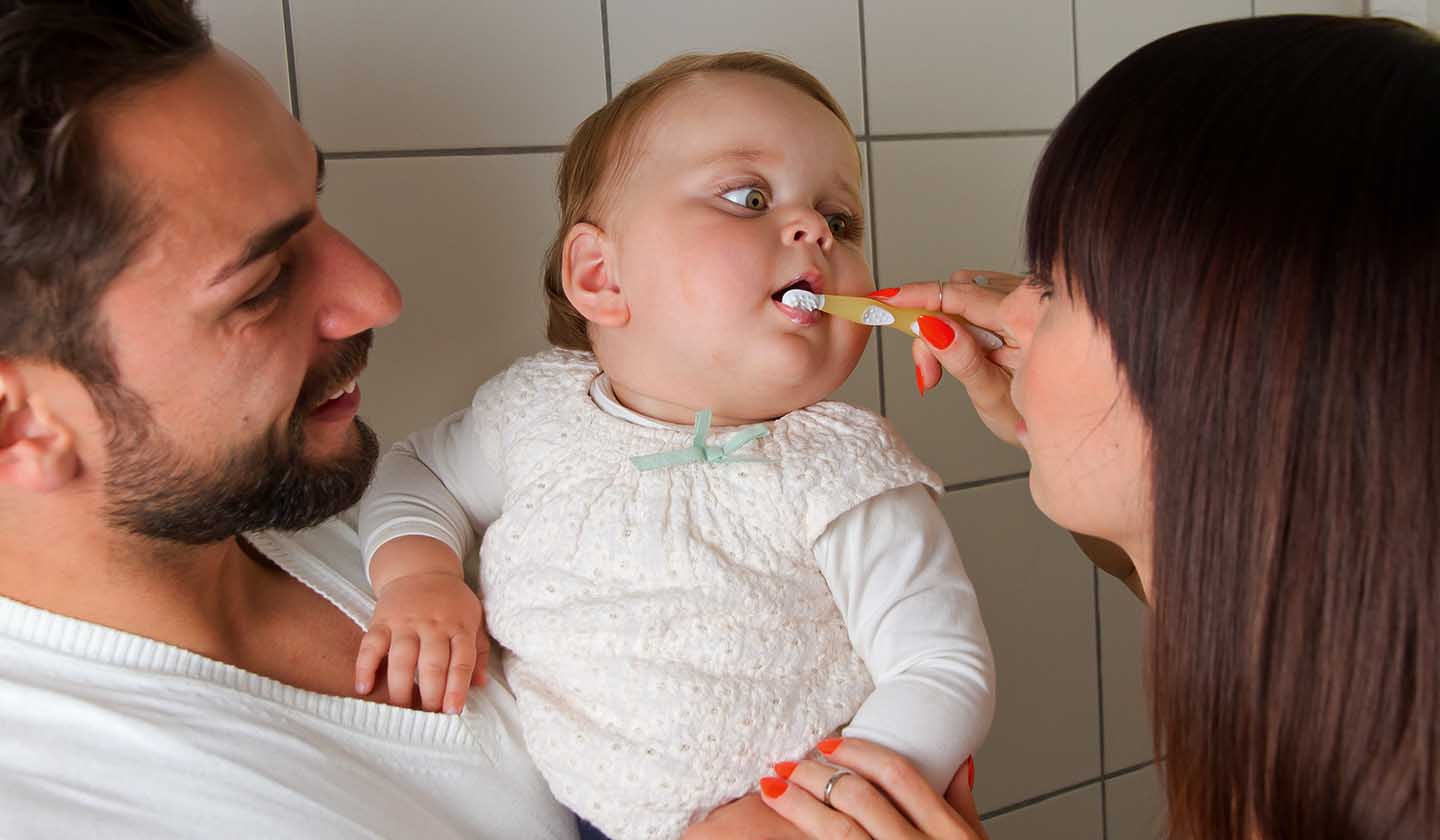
(693, 566)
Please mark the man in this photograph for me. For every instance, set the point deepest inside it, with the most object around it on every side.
(180, 606)
(180, 331)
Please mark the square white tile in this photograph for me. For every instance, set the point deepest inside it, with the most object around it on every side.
(968, 65)
(446, 73)
(1037, 598)
(464, 237)
(942, 205)
(823, 36)
(1070, 816)
(1122, 670)
(1108, 30)
(1354, 8)
(255, 31)
(1135, 806)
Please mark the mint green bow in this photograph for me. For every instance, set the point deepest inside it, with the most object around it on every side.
(701, 453)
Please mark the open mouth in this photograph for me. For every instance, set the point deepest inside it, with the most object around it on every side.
(339, 404)
(803, 317)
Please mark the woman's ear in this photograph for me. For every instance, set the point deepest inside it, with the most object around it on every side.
(588, 278)
(37, 449)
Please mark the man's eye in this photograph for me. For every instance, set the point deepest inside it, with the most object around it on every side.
(276, 289)
(750, 198)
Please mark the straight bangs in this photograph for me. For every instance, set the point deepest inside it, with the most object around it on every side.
(1250, 211)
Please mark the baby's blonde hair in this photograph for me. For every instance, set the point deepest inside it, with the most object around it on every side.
(601, 149)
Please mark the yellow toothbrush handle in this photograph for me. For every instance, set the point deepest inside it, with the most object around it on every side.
(873, 313)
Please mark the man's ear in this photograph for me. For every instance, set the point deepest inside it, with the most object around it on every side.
(589, 281)
(37, 449)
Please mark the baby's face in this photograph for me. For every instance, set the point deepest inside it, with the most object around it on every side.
(743, 187)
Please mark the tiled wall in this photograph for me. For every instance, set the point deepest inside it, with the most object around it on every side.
(443, 118)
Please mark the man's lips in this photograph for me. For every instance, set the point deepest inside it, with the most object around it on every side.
(341, 406)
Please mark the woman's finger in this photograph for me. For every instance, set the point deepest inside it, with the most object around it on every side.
(903, 785)
(960, 298)
(852, 795)
(986, 383)
(961, 798)
(806, 812)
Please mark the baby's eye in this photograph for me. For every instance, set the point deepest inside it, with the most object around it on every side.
(750, 198)
(839, 224)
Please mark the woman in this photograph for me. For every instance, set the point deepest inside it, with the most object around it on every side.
(1221, 365)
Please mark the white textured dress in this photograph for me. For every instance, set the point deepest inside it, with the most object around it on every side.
(667, 633)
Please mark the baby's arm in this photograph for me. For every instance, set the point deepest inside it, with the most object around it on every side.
(913, 618)
(432, 495)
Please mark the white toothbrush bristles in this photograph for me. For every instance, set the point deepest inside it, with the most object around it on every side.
(801, 299)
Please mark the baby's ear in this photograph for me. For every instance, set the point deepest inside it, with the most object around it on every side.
(588, 281)
(37, 449)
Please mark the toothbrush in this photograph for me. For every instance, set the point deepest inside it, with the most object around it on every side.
(873, 313)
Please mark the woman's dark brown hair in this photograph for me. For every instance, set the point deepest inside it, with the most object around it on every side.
(1251, 211)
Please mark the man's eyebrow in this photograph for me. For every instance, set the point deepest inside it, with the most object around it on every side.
(273, 238)
(267, 241)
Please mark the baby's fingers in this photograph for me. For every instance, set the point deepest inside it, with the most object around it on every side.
(435, 670)
(367, 663)
(462, 670)
(482, 658)
(400, 675)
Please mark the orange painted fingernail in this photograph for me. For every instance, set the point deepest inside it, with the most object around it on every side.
(828, 745)
(785, 768)
(773, 787)
(935, 331)
(881, 294)
(919, 380)
(971, 778)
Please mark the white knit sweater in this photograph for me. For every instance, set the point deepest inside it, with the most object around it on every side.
(667, 633)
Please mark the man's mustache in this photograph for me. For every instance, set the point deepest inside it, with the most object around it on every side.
(344, 366)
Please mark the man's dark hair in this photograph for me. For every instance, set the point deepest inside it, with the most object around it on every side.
(68, 224)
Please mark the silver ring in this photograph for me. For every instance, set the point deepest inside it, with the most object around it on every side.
(940, 284)
(830, 785)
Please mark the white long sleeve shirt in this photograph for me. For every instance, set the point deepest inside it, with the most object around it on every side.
(891, 565)
(109, 734)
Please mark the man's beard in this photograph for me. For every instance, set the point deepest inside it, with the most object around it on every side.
(154, 490)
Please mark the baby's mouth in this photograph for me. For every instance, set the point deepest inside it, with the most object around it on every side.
(803, 317)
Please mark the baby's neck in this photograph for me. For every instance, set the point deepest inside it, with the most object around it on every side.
(667, 411)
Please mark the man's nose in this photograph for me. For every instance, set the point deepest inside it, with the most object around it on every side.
(358, 295)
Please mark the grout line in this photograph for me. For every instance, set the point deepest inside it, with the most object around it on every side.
(955, 135)
(605, 43)
(1075, 44)
(1100, 697)
(985, 482)
(864, 69)
(1252, 8)
(1036, 800)
(479, 151)
(484, 151)
(290, 59)
(870, 193)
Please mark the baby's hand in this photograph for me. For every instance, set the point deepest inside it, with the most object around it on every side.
(431, 626)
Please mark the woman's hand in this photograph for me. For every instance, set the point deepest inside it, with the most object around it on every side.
(977, 297)
(883, 797)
